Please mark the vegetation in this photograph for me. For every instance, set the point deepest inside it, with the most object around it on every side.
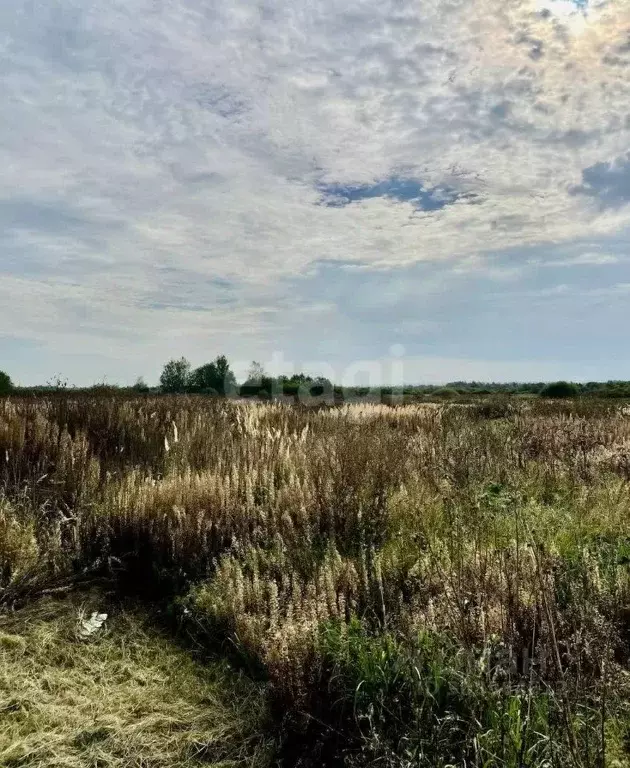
(175, 377)
(214, 378)
(5, 384)
(560, 389)
(141, 386)
(218, 380)
(427, 585)
(445, 393)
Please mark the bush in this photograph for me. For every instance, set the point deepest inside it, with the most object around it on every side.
(141, 387)
(495, 407)
(445, 393)
(560, 389)
(262, 388)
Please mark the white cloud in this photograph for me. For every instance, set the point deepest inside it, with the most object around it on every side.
(588, 259)
(157, 147)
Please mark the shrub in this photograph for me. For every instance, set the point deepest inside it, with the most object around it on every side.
(445, 393)
(560, 389)
(141, 387)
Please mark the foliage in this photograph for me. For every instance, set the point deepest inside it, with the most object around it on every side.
(426, 701)
(217, 378)
(445, 393)
(141, 386)
(560, 389)
(5, 383)
(258, 383)
(305, 386)
(175, 376)
(214, 378)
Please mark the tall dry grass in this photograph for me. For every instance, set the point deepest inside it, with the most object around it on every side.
(441, 585)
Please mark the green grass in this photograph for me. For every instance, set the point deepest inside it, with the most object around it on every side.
(127, 698)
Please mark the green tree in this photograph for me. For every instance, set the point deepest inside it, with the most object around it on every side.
(204, 378)
(214, 378)
(227, 378)
(5, 383)
(560, 389)
(175, 376)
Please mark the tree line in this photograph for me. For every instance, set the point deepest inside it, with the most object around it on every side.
(216, 378)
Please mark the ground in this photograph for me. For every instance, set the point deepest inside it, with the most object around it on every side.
(126, 697)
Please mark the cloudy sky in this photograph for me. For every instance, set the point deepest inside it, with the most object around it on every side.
(432, 189)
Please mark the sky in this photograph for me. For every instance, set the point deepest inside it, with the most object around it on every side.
(372, 190)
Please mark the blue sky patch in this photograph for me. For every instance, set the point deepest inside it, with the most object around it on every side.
(608, 181)
(395, 188)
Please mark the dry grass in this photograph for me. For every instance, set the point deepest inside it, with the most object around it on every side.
(361, 549)
(128, 697)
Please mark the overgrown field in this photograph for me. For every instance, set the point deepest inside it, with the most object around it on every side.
(413, 585)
